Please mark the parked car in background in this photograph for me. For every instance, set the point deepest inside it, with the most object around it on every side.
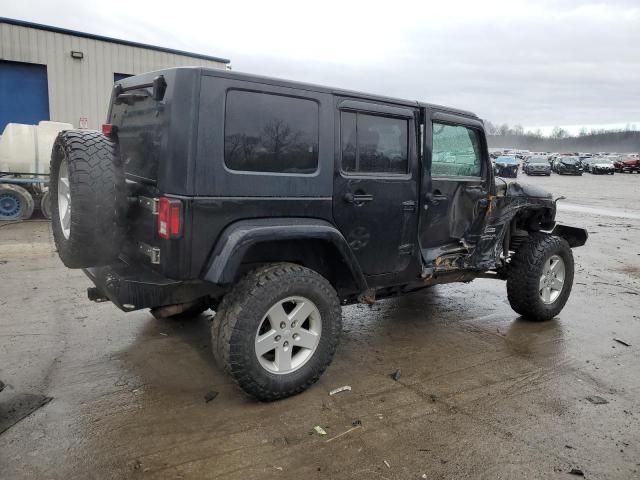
(565, 165)
(506, 166)
(598, 166)
(626, 165)
(537, 166)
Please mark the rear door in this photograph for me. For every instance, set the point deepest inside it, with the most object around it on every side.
(456, 184)
(375, 187)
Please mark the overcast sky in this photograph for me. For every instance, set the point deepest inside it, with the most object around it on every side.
(540, 63)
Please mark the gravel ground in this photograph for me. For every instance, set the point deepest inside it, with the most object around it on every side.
(482, 393)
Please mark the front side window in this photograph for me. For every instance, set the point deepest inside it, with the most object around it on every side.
(456, 151)
(374, 144)
(270, 133)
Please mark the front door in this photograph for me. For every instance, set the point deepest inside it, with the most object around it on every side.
(375, 194)
(456, 185)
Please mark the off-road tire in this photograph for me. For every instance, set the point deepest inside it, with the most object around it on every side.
(525, 270)
(240, 313)
(23, 197)
(96, 183)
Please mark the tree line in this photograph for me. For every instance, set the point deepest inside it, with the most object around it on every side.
(560, 140)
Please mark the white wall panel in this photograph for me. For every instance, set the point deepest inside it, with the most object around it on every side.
(82, 88)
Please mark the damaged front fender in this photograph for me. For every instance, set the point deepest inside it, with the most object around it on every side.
(575, 237)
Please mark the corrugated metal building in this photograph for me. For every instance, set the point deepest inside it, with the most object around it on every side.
(49, 73)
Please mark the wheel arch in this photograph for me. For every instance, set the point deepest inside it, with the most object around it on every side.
(313, 243)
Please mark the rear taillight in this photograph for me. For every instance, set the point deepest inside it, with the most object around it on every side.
(108, 129)
(169, 218)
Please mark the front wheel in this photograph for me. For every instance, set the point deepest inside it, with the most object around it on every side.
(277, 330)
(540, 277)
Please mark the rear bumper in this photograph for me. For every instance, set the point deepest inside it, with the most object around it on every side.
(133, 287)
(506, 171)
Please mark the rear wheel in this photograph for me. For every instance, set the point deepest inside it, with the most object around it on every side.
(540, 277)
(16, 203)
(277, 331)
(87, 200)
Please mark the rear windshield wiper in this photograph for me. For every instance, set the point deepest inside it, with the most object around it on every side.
(158, 87)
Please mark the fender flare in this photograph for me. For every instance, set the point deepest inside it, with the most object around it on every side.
(237, 238)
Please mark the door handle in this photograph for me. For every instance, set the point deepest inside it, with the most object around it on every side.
(434, 199)
(357, 198)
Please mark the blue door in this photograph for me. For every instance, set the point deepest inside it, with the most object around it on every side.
(24, 95)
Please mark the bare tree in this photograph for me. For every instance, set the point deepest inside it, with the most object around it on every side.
(504, 129)
(490, 128)
(240, 144)
(559, 133)
(278, 136)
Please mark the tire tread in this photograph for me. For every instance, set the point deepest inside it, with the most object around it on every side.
(97, 183)
(228, 333)
(523, 276)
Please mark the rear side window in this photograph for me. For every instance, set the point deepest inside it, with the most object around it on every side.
(374, 144)
(270, 133)
(456, 151)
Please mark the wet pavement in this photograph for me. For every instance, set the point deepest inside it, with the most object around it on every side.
(481, 394)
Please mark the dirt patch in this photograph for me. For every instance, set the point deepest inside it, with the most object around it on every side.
(633, 270)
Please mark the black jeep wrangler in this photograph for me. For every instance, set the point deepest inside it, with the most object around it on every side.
(275, 202)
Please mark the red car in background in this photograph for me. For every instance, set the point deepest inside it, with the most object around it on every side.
(627, 165)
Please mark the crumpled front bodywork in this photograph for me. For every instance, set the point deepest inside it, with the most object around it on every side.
(535, 204)
(532, 207)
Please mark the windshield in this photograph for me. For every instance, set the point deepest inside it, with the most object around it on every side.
(506, 160)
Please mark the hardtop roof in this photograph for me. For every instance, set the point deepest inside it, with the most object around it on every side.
(332, 90)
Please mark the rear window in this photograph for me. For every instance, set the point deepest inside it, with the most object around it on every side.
(140, 135)
(270, 133)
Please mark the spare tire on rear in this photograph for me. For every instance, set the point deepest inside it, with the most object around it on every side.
(87, 198)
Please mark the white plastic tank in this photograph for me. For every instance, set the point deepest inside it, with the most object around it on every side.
(27, 148)
(18, 148)
(46, 133)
